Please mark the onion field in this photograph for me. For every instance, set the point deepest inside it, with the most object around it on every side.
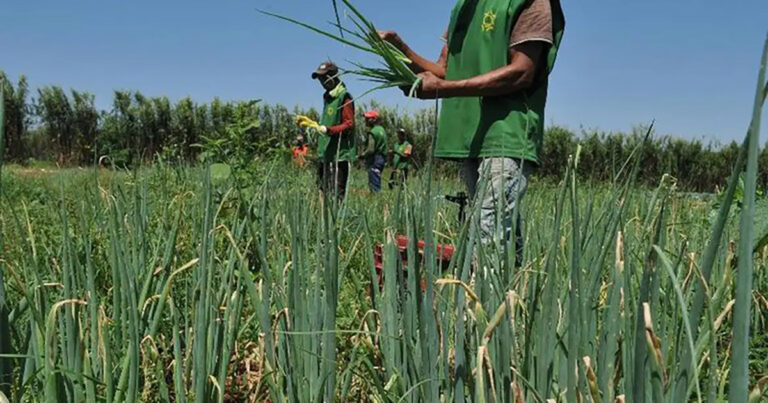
(159, 285)
(178, 283)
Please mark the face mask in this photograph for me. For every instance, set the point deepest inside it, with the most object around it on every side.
(338, 90)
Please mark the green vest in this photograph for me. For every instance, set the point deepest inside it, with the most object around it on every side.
(335, 148)
(502, 126)
(400, 160)
(379, 140)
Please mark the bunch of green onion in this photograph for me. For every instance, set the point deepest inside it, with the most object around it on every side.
(394, 70)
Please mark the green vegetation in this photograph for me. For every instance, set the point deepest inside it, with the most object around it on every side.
(141, 129)
(145, 262)
(394, 70)
(186, 283)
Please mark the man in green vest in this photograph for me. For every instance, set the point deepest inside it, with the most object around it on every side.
(401, 161)
(336, 144)
(376, 153)
(493, 76)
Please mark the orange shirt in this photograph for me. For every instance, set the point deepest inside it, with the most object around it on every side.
(300, 155)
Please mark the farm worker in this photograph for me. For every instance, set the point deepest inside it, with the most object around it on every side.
(376, 154)
(493, 76)
(401, 160)
(300, 151)
(336, 144)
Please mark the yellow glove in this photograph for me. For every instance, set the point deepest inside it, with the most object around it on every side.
(307, 123)
(300, 119)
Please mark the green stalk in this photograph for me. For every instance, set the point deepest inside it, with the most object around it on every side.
(54, 384)
(167, 259)
(546, 322)
(178, 358)
(609, 345)
(482, 351)
(708, 260)
(713, 352)
(575, 306)
(331, 297)
(320, 31)
(639, 381)
(338, 19)
(94, 369)
(87, 378)
(739, 381)
(428, 329)
(202, 298)
(667, 264)
(108, 367)
(71, 357)
(656, 359)
(395, 72)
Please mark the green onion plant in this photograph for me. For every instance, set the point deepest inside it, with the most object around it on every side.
(393, 71)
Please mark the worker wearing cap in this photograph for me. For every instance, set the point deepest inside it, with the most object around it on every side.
(376, 153)
(336, 144)
(300, 151)
(401, 160)
(493, 76)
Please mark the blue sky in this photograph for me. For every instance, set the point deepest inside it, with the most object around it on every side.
(691, 65)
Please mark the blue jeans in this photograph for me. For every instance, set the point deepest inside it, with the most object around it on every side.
(374, 172)
(499, 185)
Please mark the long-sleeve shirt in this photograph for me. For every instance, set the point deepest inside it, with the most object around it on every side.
(347, 124)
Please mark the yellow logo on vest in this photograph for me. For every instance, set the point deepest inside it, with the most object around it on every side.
(330, 111)
(489, 21)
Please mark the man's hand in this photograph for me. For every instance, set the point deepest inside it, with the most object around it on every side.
(418, 63)
(393, 38)
(431, 87)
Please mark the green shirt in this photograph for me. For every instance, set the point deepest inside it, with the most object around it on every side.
(379, 137)
(402, 158)
(339, 147)
(502, 126)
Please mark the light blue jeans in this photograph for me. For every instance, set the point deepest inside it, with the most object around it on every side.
(499, 185)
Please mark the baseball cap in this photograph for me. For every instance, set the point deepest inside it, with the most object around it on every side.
(326, 68)
(371, 114)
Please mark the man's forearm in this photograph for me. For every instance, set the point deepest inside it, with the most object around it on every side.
(503, 81)
(347, 121)
(345, 126)
(518, 75)
(420, 64)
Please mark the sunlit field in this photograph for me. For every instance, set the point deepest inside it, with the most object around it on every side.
(161, 284)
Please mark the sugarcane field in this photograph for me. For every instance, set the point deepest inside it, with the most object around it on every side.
(523, 201)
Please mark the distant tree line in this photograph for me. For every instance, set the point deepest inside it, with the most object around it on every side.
(67, 127)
